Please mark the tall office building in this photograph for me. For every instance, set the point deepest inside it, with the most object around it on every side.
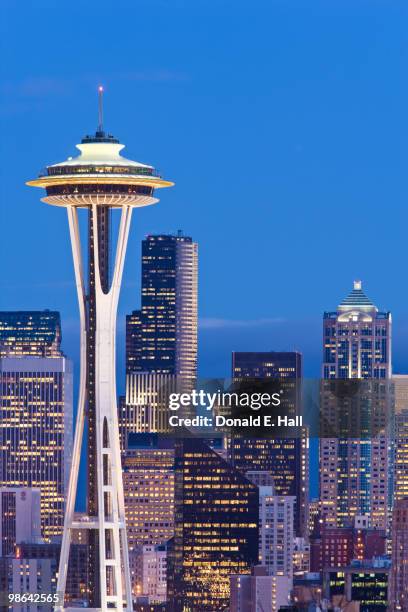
(30, 333)
(400, 387)
(216, 528)
(354, 470)
(162, 336)
(399, 575)
(276, 522)
(286, 459)
(145, 405)
(276, 534)
(36, 431)
(148, 481)
(19, 518)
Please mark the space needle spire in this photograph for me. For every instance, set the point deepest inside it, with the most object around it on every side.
(99, 181)
(100, 108)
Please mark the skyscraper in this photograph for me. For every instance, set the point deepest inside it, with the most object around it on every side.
(399, 575)
(285, 458)
(400, 385)
(145, 406)
(216, 528)
(162, 336)
(36, 416)
(30, 333)
(357, 339)
(276, 533)
(148, 481)
(99, 180)
(354, 471)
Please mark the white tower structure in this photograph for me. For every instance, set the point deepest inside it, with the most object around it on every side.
(100, 180)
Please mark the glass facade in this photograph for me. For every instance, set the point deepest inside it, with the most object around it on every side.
(162, 336)
(216, 528)
(36, 416)
(286, 459)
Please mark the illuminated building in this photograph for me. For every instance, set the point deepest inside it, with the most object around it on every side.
(301, 556)
(30, 333)
(287, 459)
(365, 583)
(400, 384)
(99, 181)
(77, 581)
(31, 576)
(19, 518)
(216, 528)
(36, 432)
(357, 339)
(148, 481)
(145, 406)
(354, 471)
(162, 336)
(259, 591)
(399, 577)
(276, 535)
(314, 515)
(339, 546)
(307, 589)
(148, 566)
(276, 532)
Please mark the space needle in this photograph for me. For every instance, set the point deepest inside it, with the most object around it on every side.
(100, 181)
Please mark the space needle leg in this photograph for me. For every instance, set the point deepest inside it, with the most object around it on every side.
(113, 550)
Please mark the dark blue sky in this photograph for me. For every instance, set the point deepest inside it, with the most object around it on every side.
(283, 124)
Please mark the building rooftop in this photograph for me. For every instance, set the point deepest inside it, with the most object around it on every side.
(357, 299)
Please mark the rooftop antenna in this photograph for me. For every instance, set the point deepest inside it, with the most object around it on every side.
(100, 108)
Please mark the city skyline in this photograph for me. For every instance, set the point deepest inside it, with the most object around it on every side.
(265, 292)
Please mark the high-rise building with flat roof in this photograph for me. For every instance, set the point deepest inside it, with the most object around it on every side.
(286, 459)
(148, 482)
(161, 337)
(400, 387)
(30, 333)
(399, 574)
(355, 470)
(36, 416)
(216, 528)
(276, 533)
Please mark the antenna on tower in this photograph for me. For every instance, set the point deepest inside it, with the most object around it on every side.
(100, 108)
